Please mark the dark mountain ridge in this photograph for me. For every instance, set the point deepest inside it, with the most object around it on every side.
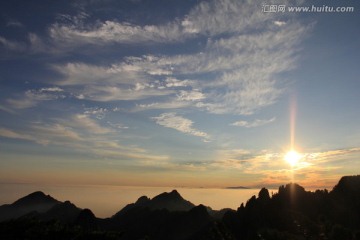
(35, 198)
(291, 213)
(238, 187)
(35, 202)
(171, 201)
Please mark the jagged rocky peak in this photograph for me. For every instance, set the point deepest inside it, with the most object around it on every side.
(291, 188)
(37, 194)
(172, 201)
(142, 200)
(37, 197)
(173, 195)
(264, 194)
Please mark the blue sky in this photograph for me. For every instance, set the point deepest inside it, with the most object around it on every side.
(179, 93)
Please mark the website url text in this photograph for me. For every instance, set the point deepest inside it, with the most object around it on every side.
(307, 9)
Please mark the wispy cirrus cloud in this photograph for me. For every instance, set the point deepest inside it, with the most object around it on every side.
(12, 45)
(14, 23)
(255, 123)
(81, 134)
(183, 99)
(246, 84)
(179, 123)
(8, 133)
(121, 32)
(234, 71)
(33, 96)
(113, 93)
(128, 80)
(83, 121)
(172, 104)
(330, 156)
(210, 18)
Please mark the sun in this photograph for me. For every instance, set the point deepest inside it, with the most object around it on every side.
(292, 157)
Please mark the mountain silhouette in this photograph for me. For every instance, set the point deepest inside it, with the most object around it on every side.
(35, 202)
(291, 213)
(171, 201)
(64, 211)
(87, 220)
(166, 216)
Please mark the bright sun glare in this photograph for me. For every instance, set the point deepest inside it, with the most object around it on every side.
(292, 157)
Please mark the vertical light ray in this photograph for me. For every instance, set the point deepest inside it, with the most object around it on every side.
(292, 122)
(292, 130)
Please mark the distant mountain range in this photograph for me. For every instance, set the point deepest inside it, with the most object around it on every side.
(291, 213)
(239, 187)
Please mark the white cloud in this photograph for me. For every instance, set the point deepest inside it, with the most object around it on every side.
(132, 70)
(51, 89)
(132, 79)
(325, 157)
(80, 74)
(56, 133)
(208, 17)
(118, 125)
(249, 162)
(173, 82)
(79, 133)
(236, 72)
(279, 23)
(181, 124)
(32, 45)
(99, 113)
(7, 133)
(14, 23)
(172, 104)
(43, 134)
(84, 122)
(22, 103)
(255, 123)
(12, 45)
(6, 109)
(32, 97)
(112, 31)
(194, 95)
(231, 159)
(112, 93)
(36, 44)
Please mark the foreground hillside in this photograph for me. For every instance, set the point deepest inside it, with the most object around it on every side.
(292, 213)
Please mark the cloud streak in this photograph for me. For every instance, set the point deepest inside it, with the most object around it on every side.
(179, 123)
(81, 134)
(32, 97)
(255, 123)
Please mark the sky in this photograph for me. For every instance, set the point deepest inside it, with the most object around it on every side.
(178, 93)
